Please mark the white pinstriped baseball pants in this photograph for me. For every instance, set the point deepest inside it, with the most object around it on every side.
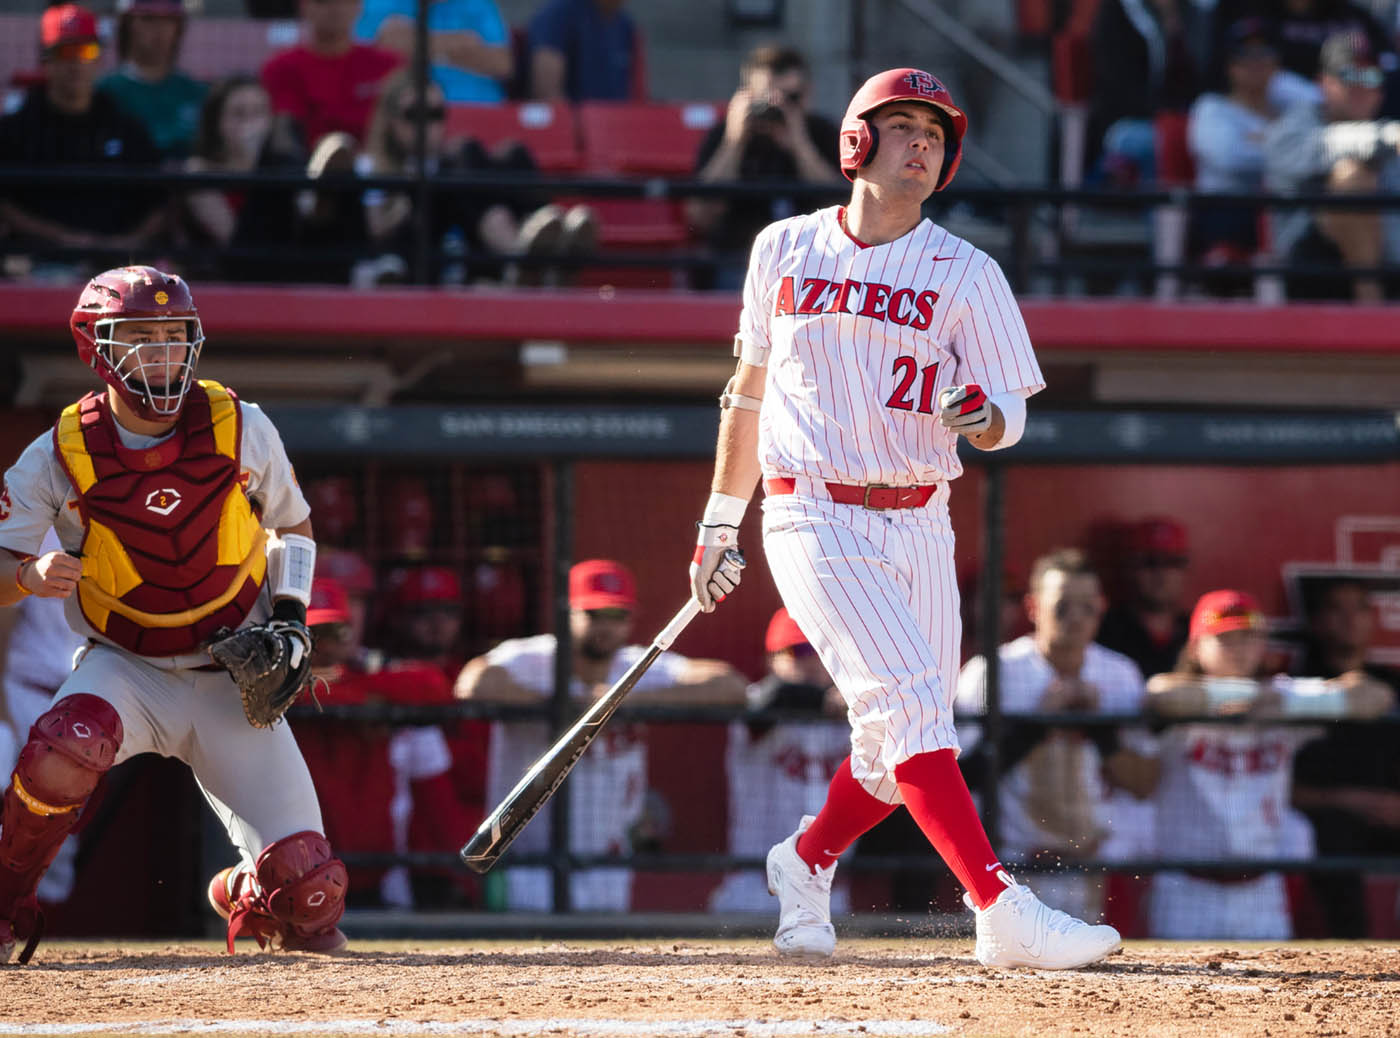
(876, 593)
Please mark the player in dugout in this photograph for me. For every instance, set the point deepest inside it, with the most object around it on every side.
(162, 490)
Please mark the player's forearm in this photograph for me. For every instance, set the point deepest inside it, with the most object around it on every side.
(10, 564)
(736, 458)
(487, 683)
(702, 683)
(1176, 695)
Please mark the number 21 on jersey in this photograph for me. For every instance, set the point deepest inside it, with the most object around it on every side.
(906, 372)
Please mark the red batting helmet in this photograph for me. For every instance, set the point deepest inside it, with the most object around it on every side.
(858, 137)
(139, 294)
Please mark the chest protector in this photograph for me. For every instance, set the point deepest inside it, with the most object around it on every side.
(172, 549)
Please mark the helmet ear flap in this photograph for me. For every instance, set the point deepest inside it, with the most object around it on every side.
(858, 141)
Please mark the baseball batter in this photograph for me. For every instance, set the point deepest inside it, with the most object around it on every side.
(870, 338)
(161, 491)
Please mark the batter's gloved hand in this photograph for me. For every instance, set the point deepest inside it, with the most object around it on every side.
(270, 663)
(965, 409)
(712, 574)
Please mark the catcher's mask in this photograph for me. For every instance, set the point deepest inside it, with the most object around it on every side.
(145, 375)
(859, 138)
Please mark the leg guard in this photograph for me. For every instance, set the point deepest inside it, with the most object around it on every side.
(298, 896)
(70, 747)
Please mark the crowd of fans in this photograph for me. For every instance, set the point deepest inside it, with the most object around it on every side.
(1298, 96)
(341, 102)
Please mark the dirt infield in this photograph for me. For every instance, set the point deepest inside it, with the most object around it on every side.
(736, 989)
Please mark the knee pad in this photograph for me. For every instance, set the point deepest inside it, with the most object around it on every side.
(70, 747)
(303, 883)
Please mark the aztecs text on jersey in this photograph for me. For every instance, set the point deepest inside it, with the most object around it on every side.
(860, 339)
(172, 548)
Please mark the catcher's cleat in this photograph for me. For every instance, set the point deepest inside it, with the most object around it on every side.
(27, 925)
(804, 932)
(1018, 929)
(231, 896)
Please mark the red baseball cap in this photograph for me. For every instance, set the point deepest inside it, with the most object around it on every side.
(67, 23)
(329, 603)
(601, 584)
(1221, 611)
(425, 586)
(1158, 536)
(346, 568)
(783, 632)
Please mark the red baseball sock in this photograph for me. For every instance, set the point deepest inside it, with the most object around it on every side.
(936, 795)
(848, 812)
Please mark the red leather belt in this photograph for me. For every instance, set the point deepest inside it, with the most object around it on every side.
(873, 495)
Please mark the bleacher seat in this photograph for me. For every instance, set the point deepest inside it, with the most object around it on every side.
(654, 138)
(548, 130)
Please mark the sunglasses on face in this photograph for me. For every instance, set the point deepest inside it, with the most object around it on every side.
(608, 614)
(429, 113)
(82, 52)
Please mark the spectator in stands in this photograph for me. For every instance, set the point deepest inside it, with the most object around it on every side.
(1223, 791)
(1150, 624)
(328, 83)
(147, 85)
(64, 121)
(382, 789)
(585, 50)
(607, 787)
(1142, 63)
(1226, 137)
(1302, 26)
(481, 226)
(1348, 782)
(1335, 146)
(772, 767)
(768, 133)
(234, 133)
(1055, 794)
(468, 42)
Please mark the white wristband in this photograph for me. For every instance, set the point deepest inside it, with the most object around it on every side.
(291, 564)
(724, 510)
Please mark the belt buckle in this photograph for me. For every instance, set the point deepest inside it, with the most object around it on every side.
(865, 500)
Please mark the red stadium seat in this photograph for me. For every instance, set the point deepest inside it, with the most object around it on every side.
(1176, 166)
(654, 138)
(547, 129)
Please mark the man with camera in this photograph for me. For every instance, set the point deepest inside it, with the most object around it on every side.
(767, 134)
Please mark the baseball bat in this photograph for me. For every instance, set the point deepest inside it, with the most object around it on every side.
(544, 777)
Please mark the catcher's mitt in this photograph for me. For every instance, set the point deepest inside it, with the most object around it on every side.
(270, 663)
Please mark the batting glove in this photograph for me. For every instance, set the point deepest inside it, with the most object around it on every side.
(965, 409)
(712, 577)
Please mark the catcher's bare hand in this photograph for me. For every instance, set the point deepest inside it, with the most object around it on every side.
(712, 575)
(270, 663)
(52, 575)
(965, 409)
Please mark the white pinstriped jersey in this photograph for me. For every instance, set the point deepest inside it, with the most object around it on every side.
(859, 339)
(605, 790)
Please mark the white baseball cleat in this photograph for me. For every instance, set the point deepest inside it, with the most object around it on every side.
(1018, 929)
(804, 932)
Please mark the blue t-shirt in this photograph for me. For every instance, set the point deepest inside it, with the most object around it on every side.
(479, 16)
(598, 49)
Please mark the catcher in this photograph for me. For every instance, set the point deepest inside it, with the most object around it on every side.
(162, 491)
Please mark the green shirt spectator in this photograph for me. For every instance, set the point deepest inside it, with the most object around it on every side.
(146, 85)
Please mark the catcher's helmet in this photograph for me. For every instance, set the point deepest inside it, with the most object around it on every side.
(858, 137)
(138, 294)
